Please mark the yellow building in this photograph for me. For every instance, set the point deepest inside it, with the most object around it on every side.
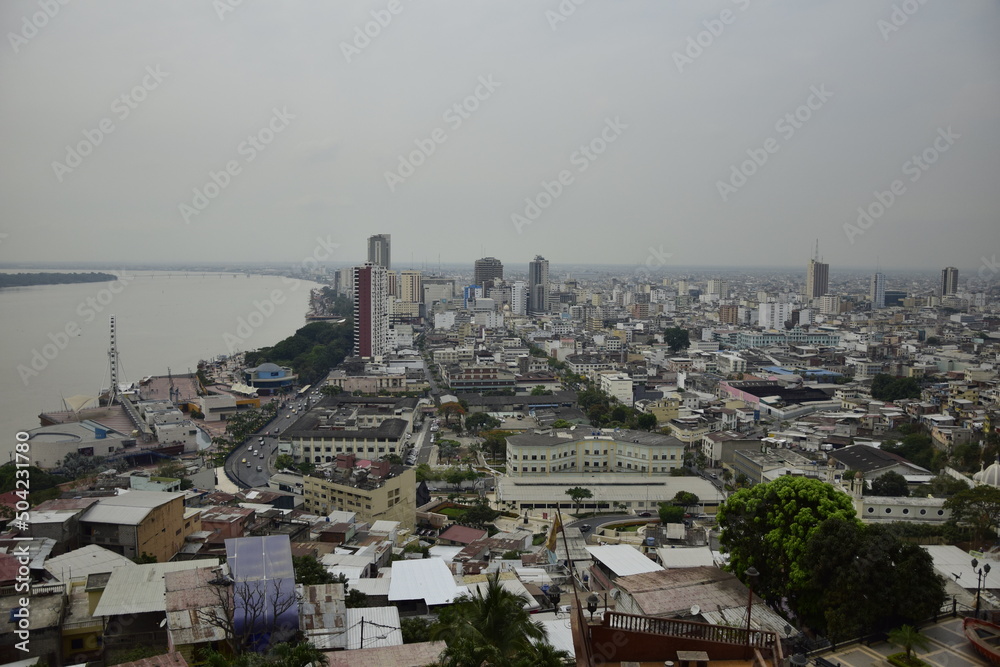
(571, 452)
(138, 522)
(374, 497)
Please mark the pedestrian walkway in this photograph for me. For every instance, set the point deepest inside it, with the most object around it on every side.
(949, 648)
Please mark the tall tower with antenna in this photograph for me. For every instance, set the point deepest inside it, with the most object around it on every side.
(113, 365)
(817, 276)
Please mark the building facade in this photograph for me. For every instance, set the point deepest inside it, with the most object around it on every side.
(568, 452)
(371, 311)
(388, 498)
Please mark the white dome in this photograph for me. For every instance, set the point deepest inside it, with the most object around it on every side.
(989, 476)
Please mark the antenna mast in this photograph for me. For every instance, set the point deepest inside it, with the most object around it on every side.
(113, 365)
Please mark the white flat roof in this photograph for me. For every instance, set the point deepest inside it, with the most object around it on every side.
(623, 560)
(427, 579)
(685, 556)
(383, 628)
(85, 561)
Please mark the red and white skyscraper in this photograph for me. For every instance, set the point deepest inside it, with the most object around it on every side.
(371, 311)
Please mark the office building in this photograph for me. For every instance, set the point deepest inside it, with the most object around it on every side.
(538, 286)
(729, 314)
(378, 250)
(877, 293)
(371, 311)
(774, 315)
(519, 298)
(410, 287)
(817, 279)
(949, 281)
(720, 287)
(488, 272)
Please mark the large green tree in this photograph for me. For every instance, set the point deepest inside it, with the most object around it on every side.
(677, 339)
(979, 507)
(890, 484)
(890, 388)
(481, 421)
(309, 571)
(864, 578)
(578, 493)
(492, 628)
(768, 527)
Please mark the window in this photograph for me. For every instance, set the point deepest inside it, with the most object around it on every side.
(888, 510)
(906, 510)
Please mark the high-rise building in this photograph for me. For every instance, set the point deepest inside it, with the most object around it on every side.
(829, 304)
(720, 287)
(371, 311)
(729, 314)
(488, 271)
(949, 281)
(410, 290)
(773, 315)
(378, 250)
(878, 291)
(538, 286)
(817, 279)
(519, 298)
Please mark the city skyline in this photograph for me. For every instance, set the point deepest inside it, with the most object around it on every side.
(866, 139)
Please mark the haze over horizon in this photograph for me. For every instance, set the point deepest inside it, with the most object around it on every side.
(730, 133)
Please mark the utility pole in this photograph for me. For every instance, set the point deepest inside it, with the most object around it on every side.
(362, 645)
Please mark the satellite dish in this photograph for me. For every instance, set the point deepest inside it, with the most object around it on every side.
(695, 610)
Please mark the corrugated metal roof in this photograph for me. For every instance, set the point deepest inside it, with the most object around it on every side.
(80, 563)
(408, 655)
(323, 616)
(623, 560)
(140, 589)
(513, 585)
(427, 579)
(381, 627)
(189, 597)
(685, 557)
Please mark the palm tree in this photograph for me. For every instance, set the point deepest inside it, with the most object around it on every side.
(490, 627)
(909, 638)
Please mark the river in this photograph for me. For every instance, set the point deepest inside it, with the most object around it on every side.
(54, 339)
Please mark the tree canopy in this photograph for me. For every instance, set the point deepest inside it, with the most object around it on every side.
(891, 388)
(890, 484)
(863, 578)
(481, 421)
(768, 527)
(578, 493)
(677, 339)
(979, 507)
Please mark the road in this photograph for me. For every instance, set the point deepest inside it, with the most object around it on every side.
(246, 475)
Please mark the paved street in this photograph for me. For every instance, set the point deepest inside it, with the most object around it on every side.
(949, 648)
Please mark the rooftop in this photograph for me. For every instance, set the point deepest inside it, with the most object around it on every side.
(142, 588)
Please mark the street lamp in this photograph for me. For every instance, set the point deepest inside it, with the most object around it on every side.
(980, 579)
(751, 574)
(592, 603)
(555, 595)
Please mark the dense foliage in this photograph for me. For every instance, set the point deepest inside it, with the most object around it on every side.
(891, 388)
(768, 527)
(311, 352)
(863, 578)
(890, 484)
(28, 279)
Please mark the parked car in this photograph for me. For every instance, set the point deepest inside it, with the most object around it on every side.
(259, 469)
(645, 514)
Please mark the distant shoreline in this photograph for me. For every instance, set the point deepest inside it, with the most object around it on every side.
(34, 279)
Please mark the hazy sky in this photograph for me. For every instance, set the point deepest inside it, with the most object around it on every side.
(115, 112)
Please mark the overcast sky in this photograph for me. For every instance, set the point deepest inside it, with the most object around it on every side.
(669, 96)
